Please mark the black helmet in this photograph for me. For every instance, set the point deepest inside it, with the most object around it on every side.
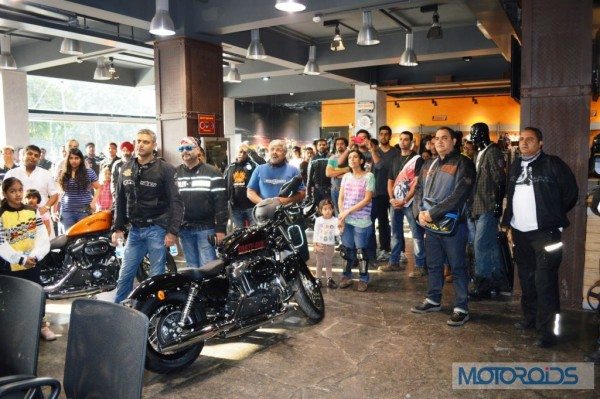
(480, 133)
(265, 210)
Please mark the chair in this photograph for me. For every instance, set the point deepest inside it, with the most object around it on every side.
(105, 357)
(21, 312)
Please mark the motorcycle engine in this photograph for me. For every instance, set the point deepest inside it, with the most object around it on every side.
(96, 260)
(258, 279)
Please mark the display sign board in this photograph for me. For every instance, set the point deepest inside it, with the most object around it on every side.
(365, 106)
(207, 124)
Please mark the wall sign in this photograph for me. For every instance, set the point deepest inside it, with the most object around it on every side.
(365, 106)
(207, 124)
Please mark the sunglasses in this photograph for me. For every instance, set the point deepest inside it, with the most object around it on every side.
(183, 148)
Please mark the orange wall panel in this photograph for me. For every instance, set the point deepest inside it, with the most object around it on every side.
(337, 112)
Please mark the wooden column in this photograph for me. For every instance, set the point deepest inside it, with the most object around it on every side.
(189, 82)
(555, 97)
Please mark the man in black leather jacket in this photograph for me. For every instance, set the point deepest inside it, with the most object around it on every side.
(147, 197)
(541, 190)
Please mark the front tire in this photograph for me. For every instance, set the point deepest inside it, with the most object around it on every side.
(163, 317)
(144, 269)
(308, 295)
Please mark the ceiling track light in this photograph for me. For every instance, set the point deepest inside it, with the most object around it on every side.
(408, 57)
(290, 5)
(367, 36)
(162, 24)
(435, 31)
(311, 67)
(71, 46)
(101, 72)
(337, 44)
(397, 104)
(255, 51)
(7, 61)
(434, 102)
(474, 100)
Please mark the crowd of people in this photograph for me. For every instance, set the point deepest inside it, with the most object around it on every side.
(450, 190)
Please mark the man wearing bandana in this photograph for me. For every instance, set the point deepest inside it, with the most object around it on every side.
(541, 190)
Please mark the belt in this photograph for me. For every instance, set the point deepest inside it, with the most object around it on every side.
(196, 226)
(142, 223)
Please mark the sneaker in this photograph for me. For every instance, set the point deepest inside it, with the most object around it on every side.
(331, 283)
(390, 267)
(418, 272)
(345, 282)
(383, 256)
(458, 319)
(362, 286)
(426, 307)
(403, 258)
(47, 334)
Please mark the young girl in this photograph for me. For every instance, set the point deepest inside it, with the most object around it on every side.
(76, 183)
(34, 198)
(356, 192)
(23, 238)
(104, 196)
(326, 229)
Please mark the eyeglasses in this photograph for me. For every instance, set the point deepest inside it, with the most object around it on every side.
(183, 148)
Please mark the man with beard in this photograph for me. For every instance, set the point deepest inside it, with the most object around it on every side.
(318, 185)
(237, 177)
(383, 156)
(126, 148)
(200, 183)
(336, 169)
(148, 199)
(267, 179)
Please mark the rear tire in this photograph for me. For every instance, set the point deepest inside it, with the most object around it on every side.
(163, 317)
(308, 295)
(144, 270)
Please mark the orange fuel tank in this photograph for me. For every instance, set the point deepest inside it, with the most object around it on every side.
(95, 223)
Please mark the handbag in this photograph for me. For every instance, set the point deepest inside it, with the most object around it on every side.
(446, 226)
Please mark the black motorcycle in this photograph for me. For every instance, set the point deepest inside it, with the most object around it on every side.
(83, 261)
(259, 270)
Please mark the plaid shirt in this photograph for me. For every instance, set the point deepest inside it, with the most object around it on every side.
(490, 182)
(105, 197)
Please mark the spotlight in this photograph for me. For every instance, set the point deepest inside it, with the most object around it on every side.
(290, 5)
(311, 67)
(474, 100)
(337, 44)
(162, 24)
(367, 36)
(265, 78)
(467, 58)
(434, 102)
(291, 94)
(397, 104)
(255, 51)
(435, 31)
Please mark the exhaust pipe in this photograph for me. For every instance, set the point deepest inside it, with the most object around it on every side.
(85, 292)
(193, 338)
(51, 288)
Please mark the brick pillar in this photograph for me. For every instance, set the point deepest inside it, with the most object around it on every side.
(189, 82)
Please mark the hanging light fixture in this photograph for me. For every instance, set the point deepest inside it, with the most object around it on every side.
(233, 76)
(71, 47)
(255, 51)
(162, 24)
(435, 32)
(337, 44)
(7, 61)
(367, 36)
(101, 72)
(408, 57)
(311, 67)
(290, 5)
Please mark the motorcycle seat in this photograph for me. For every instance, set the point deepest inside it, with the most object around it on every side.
(208, 270)
(58, 242)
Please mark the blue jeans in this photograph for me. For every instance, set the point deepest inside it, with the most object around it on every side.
(196, 248)
(487, 252)
(354, 238)
(335, 195)
(240, 216)
(141, 241)
(398, 243)
(437, 249)
(69, 218)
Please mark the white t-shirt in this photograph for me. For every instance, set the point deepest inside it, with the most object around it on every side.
(40, 179)
(325, 230)
(524, 210)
